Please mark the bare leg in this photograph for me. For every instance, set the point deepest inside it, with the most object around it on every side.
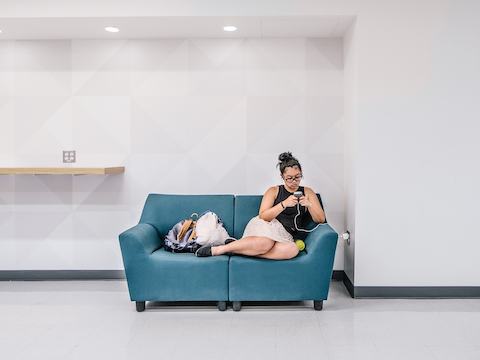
(250, 245)
(281, 251)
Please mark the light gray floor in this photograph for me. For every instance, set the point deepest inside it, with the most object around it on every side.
(96, 320)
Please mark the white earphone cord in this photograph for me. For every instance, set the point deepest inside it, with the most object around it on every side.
(295, 222)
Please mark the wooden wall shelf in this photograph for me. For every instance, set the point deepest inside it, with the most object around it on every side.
(62, 171)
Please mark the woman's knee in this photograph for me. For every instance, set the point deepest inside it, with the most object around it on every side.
(290, 251)
(263, 244)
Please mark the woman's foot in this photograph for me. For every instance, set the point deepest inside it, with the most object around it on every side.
(208, 250)
(204, 251)
(229, 240)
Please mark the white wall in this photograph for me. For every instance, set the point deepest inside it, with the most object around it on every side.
(417, 173)
(183, 116)
(350, 141)
(416, 89)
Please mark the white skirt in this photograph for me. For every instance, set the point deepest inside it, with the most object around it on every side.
(271, 229)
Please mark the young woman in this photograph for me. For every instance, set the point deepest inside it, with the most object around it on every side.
(271, 234)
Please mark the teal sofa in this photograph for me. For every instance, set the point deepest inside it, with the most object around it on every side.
(154, 274)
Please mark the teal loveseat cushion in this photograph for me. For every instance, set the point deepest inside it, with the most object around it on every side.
(155, 274)
(164, 276)
(305, 277)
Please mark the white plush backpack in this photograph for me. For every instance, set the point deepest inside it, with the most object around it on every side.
(209, 230)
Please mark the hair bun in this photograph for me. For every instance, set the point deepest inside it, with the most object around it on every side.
(285, 156)
(286, 159)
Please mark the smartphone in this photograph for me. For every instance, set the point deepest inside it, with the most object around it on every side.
(298, 194)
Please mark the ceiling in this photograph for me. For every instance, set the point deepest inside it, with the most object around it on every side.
(173, 27)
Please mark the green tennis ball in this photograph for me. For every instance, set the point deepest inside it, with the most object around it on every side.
(300, 245)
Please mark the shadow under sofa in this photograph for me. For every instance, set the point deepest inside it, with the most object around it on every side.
(154, 274)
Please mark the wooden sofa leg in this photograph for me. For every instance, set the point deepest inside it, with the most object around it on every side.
(237, 305)
(140, 306)
(318, 304)
(222, 305)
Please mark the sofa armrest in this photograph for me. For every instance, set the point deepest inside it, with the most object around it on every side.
(142, 239)
(322, 238)
(321, 245)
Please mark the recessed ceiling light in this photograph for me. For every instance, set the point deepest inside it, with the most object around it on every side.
(0, 31)
(112, 29)
(230, 28)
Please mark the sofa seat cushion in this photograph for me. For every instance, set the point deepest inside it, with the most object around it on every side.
(183, 277)
(256, 279)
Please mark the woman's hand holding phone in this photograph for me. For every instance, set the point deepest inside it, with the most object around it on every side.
(292, 200)
(304, 201)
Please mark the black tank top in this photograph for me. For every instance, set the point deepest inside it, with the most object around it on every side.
(287, 216)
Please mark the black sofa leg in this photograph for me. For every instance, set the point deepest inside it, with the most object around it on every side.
(237, 305)
(318, 304)
(222, 305)
(140, 306)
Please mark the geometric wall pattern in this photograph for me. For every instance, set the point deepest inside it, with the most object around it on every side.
(203, 116)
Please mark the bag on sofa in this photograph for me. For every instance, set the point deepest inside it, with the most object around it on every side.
(181, 238)
(210, 230)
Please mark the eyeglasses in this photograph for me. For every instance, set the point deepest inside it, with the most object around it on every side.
(293, 178)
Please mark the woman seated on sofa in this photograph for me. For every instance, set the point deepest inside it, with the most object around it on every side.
(271, 234)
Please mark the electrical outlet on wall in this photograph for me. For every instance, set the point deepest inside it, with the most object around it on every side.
(69, 156)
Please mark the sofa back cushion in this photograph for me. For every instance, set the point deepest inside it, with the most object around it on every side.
(165, 210)
(246, 207)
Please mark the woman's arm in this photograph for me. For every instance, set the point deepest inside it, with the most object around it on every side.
(268, 212)
(310, 200)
